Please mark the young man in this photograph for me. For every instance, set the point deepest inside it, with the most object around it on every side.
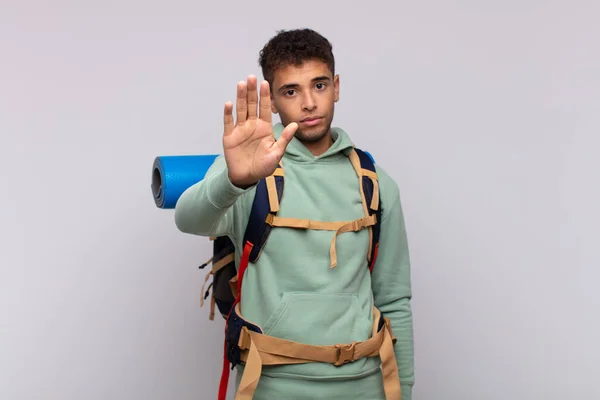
(311, 284)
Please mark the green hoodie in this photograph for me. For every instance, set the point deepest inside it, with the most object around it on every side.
(292, 292)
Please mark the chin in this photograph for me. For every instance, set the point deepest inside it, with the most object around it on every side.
(312, 134)
(311, 137)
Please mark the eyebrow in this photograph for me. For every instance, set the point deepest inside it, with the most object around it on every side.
(295, 85)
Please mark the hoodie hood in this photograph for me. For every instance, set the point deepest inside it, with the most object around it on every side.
(296, 151)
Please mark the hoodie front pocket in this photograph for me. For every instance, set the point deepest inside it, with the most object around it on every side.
(319, 319)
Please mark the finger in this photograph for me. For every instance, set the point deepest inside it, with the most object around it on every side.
(252, 97)
(286, 136)
(241, 107)
(228, 118)
(265, 102)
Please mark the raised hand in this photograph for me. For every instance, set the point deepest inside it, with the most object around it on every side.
(250, 149)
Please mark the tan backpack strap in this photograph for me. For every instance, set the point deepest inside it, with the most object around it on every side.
(373, 176)
(338, 227)
(272, 188)
(353, 226)
(216, 267)
(223, 262)
(211, 316)
(358, 169)
(304, 223)
(202, 292)
(279, 171)
(259, 350)
(360, 172)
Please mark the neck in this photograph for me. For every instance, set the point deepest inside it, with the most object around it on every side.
(319, 147)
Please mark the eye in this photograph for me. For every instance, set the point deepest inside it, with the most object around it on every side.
(320, 86)
(289, 92)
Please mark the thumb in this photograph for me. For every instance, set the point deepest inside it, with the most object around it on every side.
(286, 136)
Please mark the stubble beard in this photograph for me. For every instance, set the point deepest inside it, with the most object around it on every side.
(313, 137)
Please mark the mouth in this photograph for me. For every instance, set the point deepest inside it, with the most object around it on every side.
(311, 121)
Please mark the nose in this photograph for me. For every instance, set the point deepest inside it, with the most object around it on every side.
(309, 103)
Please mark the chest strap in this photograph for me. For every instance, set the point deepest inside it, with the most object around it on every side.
(338, 227)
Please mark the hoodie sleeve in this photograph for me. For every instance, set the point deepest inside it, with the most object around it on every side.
(209, 207)
(392, 286)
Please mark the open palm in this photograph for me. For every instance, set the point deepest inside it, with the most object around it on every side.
(250, 149)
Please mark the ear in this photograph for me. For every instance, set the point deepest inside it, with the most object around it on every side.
(336, 85)
(273, 106)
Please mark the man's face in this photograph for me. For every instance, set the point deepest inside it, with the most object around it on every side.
(306, 95)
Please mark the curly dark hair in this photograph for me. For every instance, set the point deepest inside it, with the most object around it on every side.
(293, 47)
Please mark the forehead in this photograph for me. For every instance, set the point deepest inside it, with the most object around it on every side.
(300, 74)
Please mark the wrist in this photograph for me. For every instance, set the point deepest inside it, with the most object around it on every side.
(242, 184)
(222, 193)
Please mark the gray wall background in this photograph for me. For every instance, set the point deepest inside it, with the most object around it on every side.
(486, 113)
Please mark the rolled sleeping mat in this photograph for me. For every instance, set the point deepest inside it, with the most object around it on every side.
(172, 175)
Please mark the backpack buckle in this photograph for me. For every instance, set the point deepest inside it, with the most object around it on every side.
(344, 353)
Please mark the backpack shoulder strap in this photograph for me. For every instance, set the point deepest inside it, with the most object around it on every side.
(269, 192)
(226, 284)
(267, 198)
(365, 168)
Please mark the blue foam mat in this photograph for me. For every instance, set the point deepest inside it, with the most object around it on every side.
(172, 175)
